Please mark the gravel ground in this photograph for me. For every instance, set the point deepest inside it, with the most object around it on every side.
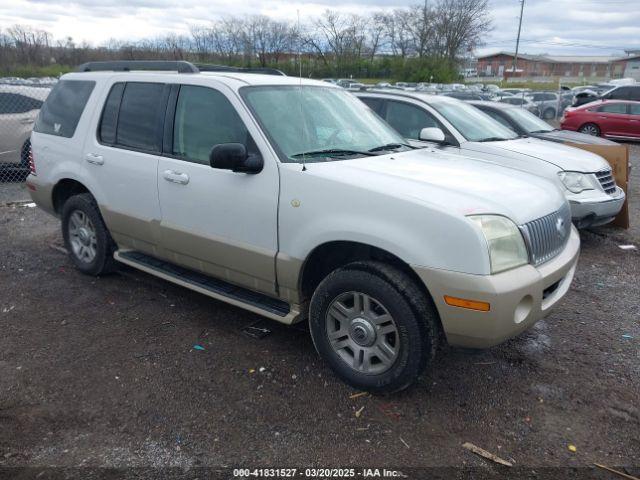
(103, 373)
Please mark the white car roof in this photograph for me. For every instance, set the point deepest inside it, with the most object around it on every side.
(232, 79)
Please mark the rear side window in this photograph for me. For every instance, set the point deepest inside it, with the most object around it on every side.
(634, 108)
(15, 103)
(62, 109)
(634, 93)
(613, 108)
(139, 119)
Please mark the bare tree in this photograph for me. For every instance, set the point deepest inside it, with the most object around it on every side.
(459, 25)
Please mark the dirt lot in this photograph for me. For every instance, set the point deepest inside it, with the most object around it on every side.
(102, 372)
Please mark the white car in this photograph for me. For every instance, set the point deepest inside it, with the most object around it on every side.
(290, 198)
(19, 107)
(453, 126)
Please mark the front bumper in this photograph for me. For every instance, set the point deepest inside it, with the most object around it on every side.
(591, 213)
(518, 298)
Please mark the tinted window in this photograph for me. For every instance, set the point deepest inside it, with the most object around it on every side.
(15, 103)
(408, 119)
(374, 104)
(634, 108)
(139, 119)
(634, 94)
(62, 109)
(204, 118)
(109, 118)
(621, 93)
(613, 108)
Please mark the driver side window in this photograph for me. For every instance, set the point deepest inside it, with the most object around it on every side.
(205, 118)
(496, 116)
(408, 119)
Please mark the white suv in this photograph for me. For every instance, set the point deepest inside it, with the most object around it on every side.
(291, 199)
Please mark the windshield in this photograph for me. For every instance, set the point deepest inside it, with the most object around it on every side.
(473, 125)
(319, 122)
(528, 121)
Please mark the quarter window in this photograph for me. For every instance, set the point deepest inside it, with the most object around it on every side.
(61, 111)
(139, 119)
(205, 118)
(109, 118)
(634, 108)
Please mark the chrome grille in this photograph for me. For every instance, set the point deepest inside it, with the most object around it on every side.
(607, 181)
(547, 236)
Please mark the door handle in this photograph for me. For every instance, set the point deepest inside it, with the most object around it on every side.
(27, 121)
(94, 158)
(176, 177)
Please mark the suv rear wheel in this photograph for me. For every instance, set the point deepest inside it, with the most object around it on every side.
(374, 326)
(86, 237)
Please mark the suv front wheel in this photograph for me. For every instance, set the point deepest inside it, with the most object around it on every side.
(86, 237)
(374, 326)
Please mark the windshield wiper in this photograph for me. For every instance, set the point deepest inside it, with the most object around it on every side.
(544, 131)
(334, 152)
(389, 146)
(493, 139)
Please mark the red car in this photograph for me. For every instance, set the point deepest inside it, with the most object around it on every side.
(607, 118)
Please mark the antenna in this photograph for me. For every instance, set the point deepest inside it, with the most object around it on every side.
(302, 123)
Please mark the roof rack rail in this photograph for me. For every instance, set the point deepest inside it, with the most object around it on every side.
(180, 66)
(203, 67)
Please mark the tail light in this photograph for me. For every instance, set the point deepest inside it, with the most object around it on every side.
(32, 163)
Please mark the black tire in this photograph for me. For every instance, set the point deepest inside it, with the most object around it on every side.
(412, 311)
(103, 261)
(549, 113)
(590, 129)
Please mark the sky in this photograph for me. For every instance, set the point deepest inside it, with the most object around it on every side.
(569, 27)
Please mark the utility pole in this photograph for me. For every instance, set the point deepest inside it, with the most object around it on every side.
(515, 57)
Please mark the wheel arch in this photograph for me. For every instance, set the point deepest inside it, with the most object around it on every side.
(329, 256)
(64, 189)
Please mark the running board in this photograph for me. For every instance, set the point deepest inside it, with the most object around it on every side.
(219, 289)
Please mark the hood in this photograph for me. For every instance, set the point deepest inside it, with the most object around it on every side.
(562, 156)
(451, 183)
(570, 136)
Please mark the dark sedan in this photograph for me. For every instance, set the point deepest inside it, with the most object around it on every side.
(524, 122)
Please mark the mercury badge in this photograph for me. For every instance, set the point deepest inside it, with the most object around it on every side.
(295, 203)
(560, 228)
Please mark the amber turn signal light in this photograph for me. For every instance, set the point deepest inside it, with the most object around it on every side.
(465, 303)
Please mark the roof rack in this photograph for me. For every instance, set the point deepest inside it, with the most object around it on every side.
(181, 66)
(127, 65)
(203, 67)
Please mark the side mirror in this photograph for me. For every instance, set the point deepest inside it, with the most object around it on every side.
(432, 134)
(234, 157)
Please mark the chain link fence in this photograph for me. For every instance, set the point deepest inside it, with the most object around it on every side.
(20, 102)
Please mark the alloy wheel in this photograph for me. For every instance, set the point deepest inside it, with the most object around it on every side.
(362, 332)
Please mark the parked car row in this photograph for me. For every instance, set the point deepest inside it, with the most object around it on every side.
(19, 107)
(545, 104)
(392, 227)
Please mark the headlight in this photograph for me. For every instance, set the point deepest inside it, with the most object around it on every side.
(506, 245)
(576, 182)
